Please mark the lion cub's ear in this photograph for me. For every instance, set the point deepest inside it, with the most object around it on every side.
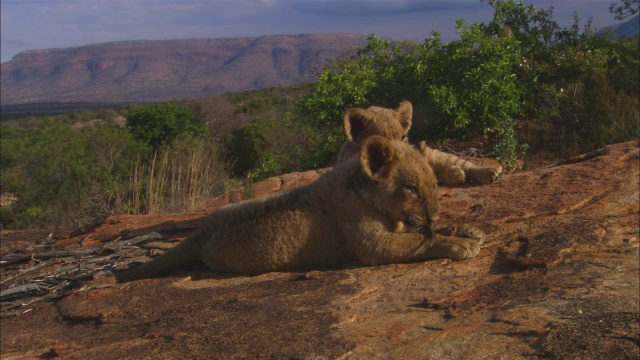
(356, 120)
(406, 113)
(377, 157)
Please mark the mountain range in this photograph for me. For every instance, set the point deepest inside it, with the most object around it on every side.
(158, 70)
(630, 27)
(147, 71)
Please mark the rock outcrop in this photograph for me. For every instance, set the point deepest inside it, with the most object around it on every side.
(557, 278)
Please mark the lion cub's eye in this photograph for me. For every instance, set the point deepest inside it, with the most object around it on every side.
(411, 189)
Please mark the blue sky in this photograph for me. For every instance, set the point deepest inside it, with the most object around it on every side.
(43, 24)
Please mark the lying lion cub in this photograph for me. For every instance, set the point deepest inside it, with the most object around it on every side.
(359, 124)
(376, 208)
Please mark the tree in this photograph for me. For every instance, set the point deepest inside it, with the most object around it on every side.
(61, 175)
(268, 147)
(519, 65)
(624, 10)
(159, 124)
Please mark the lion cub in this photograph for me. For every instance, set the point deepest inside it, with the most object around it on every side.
(359, 124)
(377, 208)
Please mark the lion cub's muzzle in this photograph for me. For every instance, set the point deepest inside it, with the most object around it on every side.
(427, 231)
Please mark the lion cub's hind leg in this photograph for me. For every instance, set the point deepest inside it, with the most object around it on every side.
(452, 170)
(484, 174)
(456, 242)
(451, 175)
(459, 174)
(100, 278)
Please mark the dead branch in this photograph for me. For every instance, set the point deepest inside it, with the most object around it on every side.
(46, 255)
(6, 306)
(28, 270)
(61, 268)
(111, 247)
(316, 70)
(21, 289)
(136, 241)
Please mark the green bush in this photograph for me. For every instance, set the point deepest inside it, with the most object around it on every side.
(467, 87)
(159, 124)
(275, 146)
(63, 176)
(624, 72)
(381, 73)
(517, 66)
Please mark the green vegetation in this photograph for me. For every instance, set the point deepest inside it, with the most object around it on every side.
(625, 9)
(63, 175)
(282, 144)
(520, 66)
(540, 92)
(159, 124)
(74, 168)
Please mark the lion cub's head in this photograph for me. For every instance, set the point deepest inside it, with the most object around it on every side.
(360, 124)
(403, 185)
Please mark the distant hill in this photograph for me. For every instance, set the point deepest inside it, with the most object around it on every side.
(159, 70)
(630, 27)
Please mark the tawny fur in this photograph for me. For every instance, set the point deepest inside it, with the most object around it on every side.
(373, 208)
(359, 124)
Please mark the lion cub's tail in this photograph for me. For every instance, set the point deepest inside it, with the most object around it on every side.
(183, 254)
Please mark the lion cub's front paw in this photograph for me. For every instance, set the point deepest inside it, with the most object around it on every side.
(453, 247)
(464, 231)
(484, 174)
(457, 242)
(463, 248)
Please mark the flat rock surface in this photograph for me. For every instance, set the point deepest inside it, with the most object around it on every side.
(557, 278)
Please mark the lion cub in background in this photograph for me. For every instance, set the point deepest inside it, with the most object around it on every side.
(360, 124)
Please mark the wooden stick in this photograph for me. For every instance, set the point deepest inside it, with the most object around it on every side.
(24, 288)
(46, 255)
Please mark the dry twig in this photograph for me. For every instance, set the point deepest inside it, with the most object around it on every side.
(36, 283)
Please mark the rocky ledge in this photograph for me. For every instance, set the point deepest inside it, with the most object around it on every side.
(557, 278)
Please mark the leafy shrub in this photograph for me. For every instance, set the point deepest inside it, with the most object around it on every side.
(274, 146)
(514, 67)
(380, 73)
(63, 176)
(159, 124)
(624, 72)
(590, 114)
